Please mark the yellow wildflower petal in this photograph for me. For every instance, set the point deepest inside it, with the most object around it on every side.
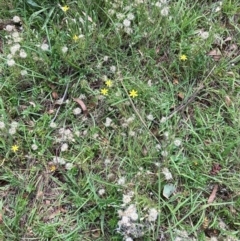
(65, 8)
(52, 168)
(75, 38)
(108, 83)
(183, 57)
(14, 148)
(104, 91)
(133, 93)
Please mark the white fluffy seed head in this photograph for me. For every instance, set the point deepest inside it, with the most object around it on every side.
(164, 153)
(167, 173)
(152, 215)
(34, 147)
(158, 147)
(16, 19)
(22, 54)
(134, 216)
(128, 30)
(12, 131)
(165, 11)
(2, 125)
(64, 49)
(158, 4)
(23, 72)
(150, 117)
(58, 160)
(9, 28)
(14, 48)
(126, 22)
(108, 122)
(14, 124)
(120, 16)
(53, 125)
(130, 16)
(121, 181)
(128, 239)
(16, 37)
(69, 166)
(10, 62)
(204, 34)
(77, 111)
(105, 58)
(126, 199)
(113, 69)
(177, 142)
(163, 120)
(132, 133)
(101, 191)
(64, 147)
(44, 47)
(107, 161)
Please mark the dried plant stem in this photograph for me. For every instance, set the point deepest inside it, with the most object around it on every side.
(191, 98)
(63, 98)
(137, 113)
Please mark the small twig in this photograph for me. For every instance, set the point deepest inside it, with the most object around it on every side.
(2, 162)
(191, 98)
(63, 98)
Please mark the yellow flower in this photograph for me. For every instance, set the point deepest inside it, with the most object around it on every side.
(133, 93)
(75, 38)
(52, 168)
(104, 91)
(183, 57)
(65, 8)
(108, 83)
(14, 148)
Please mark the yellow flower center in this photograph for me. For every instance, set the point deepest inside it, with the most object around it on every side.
(108, 83)
(65, 8)
(75, 38)
(133, 93)
(14, 148)
(104, 91)
(183, 57)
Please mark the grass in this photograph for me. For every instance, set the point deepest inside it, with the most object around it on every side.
(102, 174)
